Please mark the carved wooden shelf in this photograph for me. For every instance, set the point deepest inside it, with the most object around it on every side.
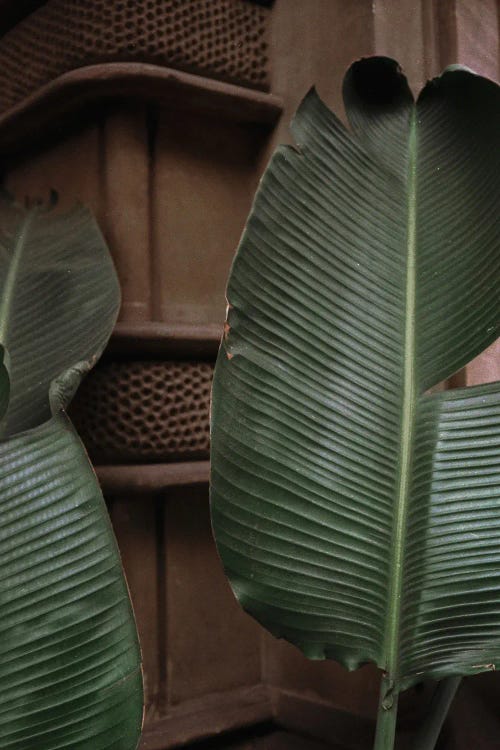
(165, 338)
(148, 479)
(71, 92)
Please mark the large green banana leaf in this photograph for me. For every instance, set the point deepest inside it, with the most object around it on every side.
(356, 515)
(70, 669)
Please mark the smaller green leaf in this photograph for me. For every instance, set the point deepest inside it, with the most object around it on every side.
(70, 667)
(70, 662)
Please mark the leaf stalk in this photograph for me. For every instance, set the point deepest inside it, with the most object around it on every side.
(427, 737)
(387, 715)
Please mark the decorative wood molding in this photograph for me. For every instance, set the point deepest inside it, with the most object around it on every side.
(42, 112)
(145, 411)
(222, 39)
(321, 720)
(158, 338)
(218, 713)
(148, 479)
(208, 716)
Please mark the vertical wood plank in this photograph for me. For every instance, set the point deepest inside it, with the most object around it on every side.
(399, 33)
(445, 13)
(313, 44)
(432, 66)
(354, 692)
(213, 645)
(485, 368)
(477, 46)
(469, 34)
(204, 176)
(127, 208)
(71, 168)
(477, 36)
(134, 524)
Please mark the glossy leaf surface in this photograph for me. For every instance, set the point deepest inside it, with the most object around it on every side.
(59, 297)
(70, 667)
(356, 515)
(4, 384)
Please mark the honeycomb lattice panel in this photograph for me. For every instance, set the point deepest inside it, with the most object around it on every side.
(223, 39)
(145, 411)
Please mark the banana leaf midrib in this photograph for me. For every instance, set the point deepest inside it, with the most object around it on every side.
(407, 414)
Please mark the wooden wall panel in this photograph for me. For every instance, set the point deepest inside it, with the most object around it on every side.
(126, 170)
(105, 166)
(485, 368)
(477, 29)
(406, 31)
(355, 692)
(469, 34)
(312, 44)
(212, 645)
(204, 178)
(71, 167)
(477, 36)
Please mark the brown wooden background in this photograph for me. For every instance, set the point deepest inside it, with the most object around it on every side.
(171, 189)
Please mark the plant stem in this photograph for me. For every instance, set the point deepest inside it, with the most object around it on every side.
(387, 716)
(427, 736)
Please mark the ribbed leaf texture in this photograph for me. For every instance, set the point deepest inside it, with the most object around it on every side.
(356, 515)
(59, 297)
(4, 384)
(70, 667)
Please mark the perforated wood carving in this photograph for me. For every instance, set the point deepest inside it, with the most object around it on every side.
(145, 411)
(223, 39)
